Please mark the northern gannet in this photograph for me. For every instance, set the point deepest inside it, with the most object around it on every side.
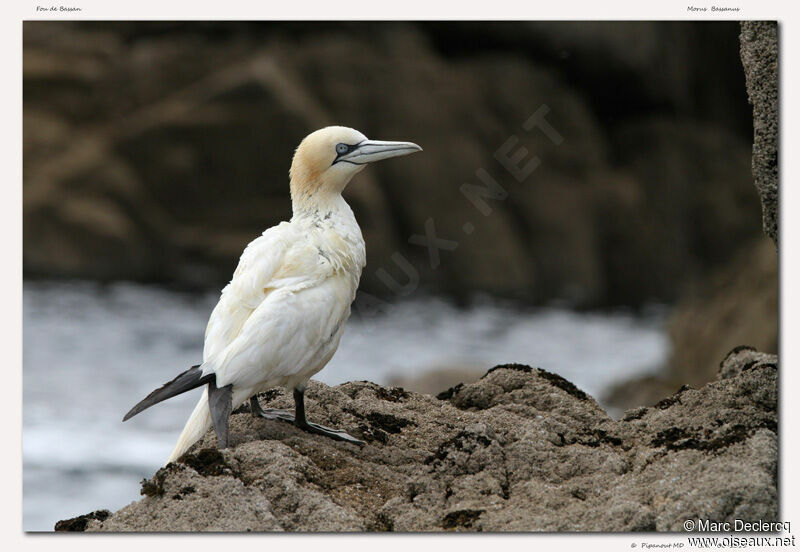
(279, 320)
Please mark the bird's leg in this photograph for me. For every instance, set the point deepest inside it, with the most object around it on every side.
(269, 413)
(299, 418)
(301, 422)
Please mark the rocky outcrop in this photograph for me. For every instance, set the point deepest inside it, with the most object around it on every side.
(759, 51)
(521, 449)
(156, 151)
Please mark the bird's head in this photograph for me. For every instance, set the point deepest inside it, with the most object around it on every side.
(328, 158)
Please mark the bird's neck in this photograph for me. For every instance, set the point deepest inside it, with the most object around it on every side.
(318, 204)
(313, 197)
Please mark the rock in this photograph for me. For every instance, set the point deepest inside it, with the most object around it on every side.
(744, 357)
(79, 524)
(759, 52)
(521, 449)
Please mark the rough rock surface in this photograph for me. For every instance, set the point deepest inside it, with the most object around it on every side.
(521, 449)
(759, 51)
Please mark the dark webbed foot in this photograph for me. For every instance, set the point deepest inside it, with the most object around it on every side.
(336, 434)
(269, 413)
(299, 419)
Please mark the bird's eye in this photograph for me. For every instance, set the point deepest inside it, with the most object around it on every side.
(342, 148)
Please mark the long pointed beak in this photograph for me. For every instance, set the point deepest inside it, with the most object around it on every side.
(370, 151)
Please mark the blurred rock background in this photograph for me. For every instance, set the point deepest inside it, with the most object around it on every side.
(154, 151)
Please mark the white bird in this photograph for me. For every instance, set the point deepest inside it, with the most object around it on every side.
(279, 320)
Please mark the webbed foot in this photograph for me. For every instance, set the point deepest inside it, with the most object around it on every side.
(269, 413)
(300, 421)
(336, 434)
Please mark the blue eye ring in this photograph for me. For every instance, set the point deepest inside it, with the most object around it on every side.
(341, 149)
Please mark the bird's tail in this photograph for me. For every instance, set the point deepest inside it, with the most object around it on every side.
(185, 381)
(199, 421)
(195, 427)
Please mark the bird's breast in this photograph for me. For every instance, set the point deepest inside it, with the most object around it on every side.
(340, 246)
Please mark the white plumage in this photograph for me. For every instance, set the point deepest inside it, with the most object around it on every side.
(280, 319)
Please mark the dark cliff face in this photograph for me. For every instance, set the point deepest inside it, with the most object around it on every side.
(156, 151)
(522, 449)
(759, 51)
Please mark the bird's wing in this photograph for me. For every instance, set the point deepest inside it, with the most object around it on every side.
(250, 284)
(290, 332)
